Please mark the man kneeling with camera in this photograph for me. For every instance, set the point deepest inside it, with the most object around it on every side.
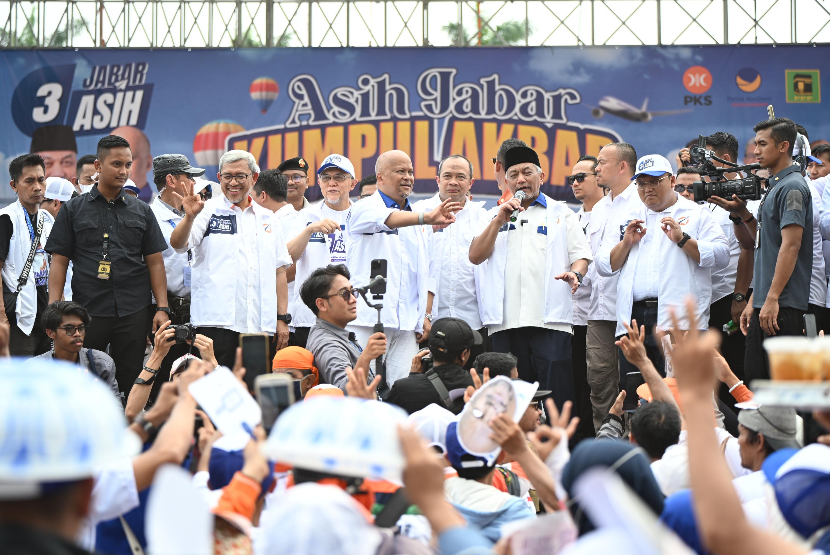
(450, 342)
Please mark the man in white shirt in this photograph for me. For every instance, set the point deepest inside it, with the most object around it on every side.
(239, 260)
(317, 238)
(615, 169)
(172, 174)
(384, 227)
(669, 247)
(453, 282)
(531, 265)
(583, 182)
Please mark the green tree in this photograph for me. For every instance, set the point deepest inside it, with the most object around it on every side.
(513, 33)
(248, 41)
(28, 39)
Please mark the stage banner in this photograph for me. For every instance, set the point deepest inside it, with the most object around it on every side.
(430, 102)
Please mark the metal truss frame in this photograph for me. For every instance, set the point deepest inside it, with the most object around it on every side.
(419, 23)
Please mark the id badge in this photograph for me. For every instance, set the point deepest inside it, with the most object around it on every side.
(104, 268)
(187, 274)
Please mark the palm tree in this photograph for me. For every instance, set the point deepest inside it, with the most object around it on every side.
(513, 33)
(249, 41)
(28, 39)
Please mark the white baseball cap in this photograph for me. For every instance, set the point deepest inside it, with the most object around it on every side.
(201, 183)
(57, 424)
(654, 165)
(337, 161)
(58, 188)
(431, 423)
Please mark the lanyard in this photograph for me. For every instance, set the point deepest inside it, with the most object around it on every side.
(189, 252)
(29, 225)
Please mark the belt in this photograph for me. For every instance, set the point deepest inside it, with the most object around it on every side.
(176, 302)
(645, 303)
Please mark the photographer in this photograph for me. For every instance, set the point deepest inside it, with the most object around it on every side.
(66, 324)
(784, 255)
(449, 344)
(164, 340)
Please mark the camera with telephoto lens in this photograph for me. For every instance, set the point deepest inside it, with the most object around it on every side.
(183, 333)
(745, 188)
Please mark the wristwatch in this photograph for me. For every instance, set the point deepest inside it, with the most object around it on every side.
(738, 297)
(147, 426)
(428, 316)
(165, 309)
(685, 238)
(579, 276)
(284, 318)
(736, 220)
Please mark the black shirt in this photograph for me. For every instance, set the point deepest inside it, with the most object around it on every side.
(42, 292)
(415, 392)
(18, 539)
(134, 233)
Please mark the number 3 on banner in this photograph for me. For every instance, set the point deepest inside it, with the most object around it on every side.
(51, 94)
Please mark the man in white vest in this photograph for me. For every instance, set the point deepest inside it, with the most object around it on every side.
(239, 260)
(533, 256)
(452, 277)
(384, 226)
(23, 262)
(318, 239)
(669, 248)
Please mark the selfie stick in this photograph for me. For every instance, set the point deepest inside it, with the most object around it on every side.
(380, 367)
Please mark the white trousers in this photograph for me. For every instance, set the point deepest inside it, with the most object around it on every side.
(401, 347)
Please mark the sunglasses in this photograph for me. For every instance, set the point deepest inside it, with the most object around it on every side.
(681, 188)
(206, 193)
(346, 294)
(579, 178)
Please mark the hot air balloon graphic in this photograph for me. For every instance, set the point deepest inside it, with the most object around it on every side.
(209, 143)
(264, 91)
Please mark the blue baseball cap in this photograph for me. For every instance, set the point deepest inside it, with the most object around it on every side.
(801, 480)
(459, 457)
(131, 186)
(816, 160)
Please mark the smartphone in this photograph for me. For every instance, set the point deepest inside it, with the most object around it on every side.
(810, 325)
(633, 380)
(274, 393)
(395, 507)
(255, 356)
(378, 268)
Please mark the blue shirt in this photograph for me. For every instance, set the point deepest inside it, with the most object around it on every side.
(392, 204)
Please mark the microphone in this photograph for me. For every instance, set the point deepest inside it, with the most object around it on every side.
(521, 196)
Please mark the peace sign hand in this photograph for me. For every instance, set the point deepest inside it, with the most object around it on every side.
(192, 203)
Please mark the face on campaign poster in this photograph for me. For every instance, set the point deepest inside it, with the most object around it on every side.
(359, 102)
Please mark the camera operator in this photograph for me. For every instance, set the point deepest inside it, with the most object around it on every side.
(163, 342)
(450, 344)
(730, 285)
(784, 254)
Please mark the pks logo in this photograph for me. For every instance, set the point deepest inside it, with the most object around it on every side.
(697, 80)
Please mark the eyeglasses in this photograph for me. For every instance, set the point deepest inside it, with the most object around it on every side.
(495, 160)
(70, 330)
(340, 177)
(681, 188)
(578, 177)
(240, 177)
(650, 184)
(345, 293)
(296, 178)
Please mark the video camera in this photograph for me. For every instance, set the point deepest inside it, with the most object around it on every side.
(746, 188)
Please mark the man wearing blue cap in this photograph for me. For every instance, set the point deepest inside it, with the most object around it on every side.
(669, 247)
(318, 235)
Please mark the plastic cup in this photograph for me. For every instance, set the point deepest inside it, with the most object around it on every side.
(794, 359)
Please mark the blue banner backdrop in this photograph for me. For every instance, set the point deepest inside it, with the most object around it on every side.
(430, 102)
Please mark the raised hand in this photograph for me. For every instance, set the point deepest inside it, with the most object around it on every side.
(632, 345)
(325, 226)
(192, 203)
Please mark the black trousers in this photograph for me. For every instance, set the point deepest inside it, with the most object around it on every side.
(822, 319)
(733, 347)
(582, 391)
(225, 343)
(127, 338)
(476, 350)
(297, 338)
(543, 355)
(645, 317)
(756, 365)
(32, 345)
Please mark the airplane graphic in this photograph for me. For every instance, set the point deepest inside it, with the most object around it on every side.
(616, 107)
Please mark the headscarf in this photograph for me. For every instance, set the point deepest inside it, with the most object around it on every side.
(627, 460)
(296, 357)
(679, 515)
